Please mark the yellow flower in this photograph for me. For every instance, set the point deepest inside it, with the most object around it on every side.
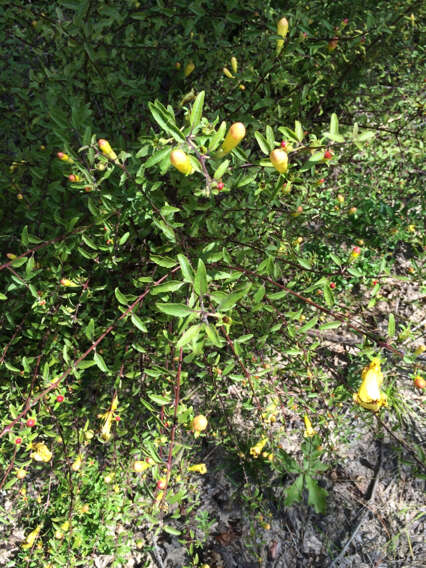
(29, 541)
(309, 432)
(369, 395)
(199, 468)
(77, 463)
(41, 453)
(108, 416)
(256, 450)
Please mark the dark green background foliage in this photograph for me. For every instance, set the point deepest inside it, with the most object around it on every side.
(245, 272)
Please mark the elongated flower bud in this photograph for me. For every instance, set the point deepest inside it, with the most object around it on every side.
(279, 160)
(68, 283)
(234, 64)
(282, 29)
(189, 68)
(181, 162)
(235, 134)
(106, 149)
(64, 157)
(227, 73)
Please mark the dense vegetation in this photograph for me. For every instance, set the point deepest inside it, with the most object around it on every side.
(136, 295)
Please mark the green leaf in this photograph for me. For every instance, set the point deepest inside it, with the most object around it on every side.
(164, 261)
(197, 110)
(3, 297)
(334, 124)
(137, 322)
(212, 334)
(171, 530)
(178, 310)
(186, 268)
(200, 280)
(298, 130)
(317, 496)
(121, 297)
(305, 263)
(328, 295)
(355, 272)
(166, 229)
(330, 325)
(99, 360)
(270, 136)
(294, 492)
(157, 157)
(335, 259)
(24, 236)
(231, 299)
(124, 238)
(309, 325)
(263, 144)
(18, 262)
(190, 334)
(391, 325)
(166, 287)
(90, 330)
(161, 400)
(217, 137)
(221, 169)
(163, 119)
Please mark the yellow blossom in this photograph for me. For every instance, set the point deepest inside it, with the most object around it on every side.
(309, 432)
(77, 463)
(108, 416)
(29, 541)
(41, 453)
(369, 395)
(199, 468)
(256, 450)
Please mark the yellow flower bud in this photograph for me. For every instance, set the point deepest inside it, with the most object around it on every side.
(234, 64)
(189, 68)
(282, 29)
(199, 423)
(106, 149)
(279, 160)
(181, 162)
(227, 73)
(235, 134)
(68, 283)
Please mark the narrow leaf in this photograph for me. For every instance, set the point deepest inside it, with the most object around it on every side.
(334, 124)
(189, 335)
(200, 280)
(391, 325)
(186, 268)
(137, 322)
(197, 110)
(99, 360)
(178, 310)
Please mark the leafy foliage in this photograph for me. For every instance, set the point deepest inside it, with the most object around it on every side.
(135, 297)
